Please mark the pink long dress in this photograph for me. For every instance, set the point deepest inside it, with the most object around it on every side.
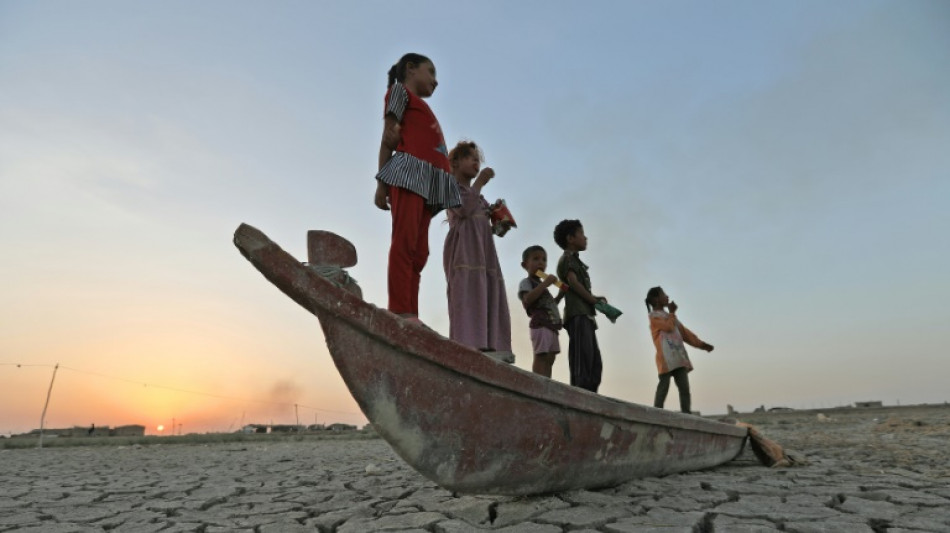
(478, 308)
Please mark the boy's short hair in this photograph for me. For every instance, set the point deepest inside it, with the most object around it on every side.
(564, 229)
(530, 250)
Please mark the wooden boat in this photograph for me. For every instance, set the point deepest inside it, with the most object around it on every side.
(467, 422)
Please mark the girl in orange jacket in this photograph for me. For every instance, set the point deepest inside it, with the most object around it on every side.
(669, 334)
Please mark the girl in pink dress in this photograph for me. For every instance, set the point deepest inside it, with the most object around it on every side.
(478, 307)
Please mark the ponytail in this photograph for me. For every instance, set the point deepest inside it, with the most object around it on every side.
(398, 71)
(392, 76)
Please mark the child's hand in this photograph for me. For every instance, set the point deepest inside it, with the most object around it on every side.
(708, 347)
(484, 176)
(672, 307)
(392, 135)
(382, 196)
(548, 281)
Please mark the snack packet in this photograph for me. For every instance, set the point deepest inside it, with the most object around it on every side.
(501, 219)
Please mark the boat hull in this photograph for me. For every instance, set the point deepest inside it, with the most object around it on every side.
(475, 425)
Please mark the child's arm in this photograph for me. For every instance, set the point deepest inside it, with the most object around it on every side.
(483, 178)
(390, 140)
(382, 196)
(532, 296)
(690, 338)
(580, 290)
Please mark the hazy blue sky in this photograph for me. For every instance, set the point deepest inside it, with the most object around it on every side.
(782, 169)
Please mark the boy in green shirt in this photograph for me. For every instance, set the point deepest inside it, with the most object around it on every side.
(583, 353)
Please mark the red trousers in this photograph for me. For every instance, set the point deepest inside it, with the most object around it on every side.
(408, 250)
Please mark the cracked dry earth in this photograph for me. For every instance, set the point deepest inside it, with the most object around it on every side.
(882, 470)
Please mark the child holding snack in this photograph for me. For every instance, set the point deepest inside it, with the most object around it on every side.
(414, 179)
(669, 334)
(541, 307)
(478, 308)
(583, 353)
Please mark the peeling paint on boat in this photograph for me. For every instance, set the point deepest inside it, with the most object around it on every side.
(387, 420)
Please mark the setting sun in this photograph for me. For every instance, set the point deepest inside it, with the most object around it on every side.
(160, 427)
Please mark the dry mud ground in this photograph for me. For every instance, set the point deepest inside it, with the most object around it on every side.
(869, 470)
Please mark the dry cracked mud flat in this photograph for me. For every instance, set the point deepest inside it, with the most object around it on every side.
(870, 470)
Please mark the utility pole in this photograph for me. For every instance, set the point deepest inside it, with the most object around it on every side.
(297, 415)
(48, 393)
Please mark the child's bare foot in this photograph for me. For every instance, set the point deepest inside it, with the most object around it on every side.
(504, 357)
(415, 321)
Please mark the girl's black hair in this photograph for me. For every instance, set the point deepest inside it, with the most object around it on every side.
(652, 294)
(398, 71)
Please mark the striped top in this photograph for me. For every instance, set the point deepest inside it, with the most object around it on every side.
(421, 162)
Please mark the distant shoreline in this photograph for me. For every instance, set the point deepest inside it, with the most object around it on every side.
(31, 440)
(840, 409)
(27, 441)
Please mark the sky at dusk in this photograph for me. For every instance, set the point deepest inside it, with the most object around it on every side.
(782, 169)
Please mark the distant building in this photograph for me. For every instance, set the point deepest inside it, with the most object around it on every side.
(134, 430)
(292, 428)
(284, 428)
(868, 404)
(62, 432)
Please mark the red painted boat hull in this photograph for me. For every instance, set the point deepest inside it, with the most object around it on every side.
(475, 425)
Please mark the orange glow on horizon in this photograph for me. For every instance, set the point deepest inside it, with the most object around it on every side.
(196, 399)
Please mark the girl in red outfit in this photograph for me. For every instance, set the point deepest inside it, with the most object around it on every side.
(414, 179)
